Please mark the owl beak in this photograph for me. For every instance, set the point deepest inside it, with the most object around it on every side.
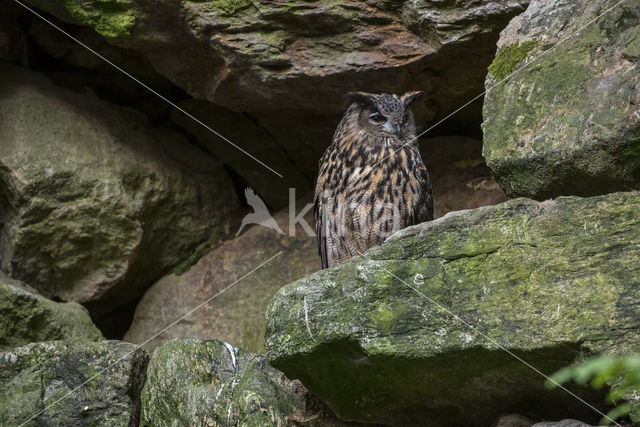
(398, 131)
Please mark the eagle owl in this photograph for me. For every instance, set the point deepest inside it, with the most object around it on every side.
(372, 181)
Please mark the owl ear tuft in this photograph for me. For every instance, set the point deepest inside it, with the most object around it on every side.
(409, 97)
(362, 97)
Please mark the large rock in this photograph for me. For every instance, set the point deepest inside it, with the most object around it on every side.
(568, 123)
(415, 330)
(94, 203)
(28, 317)
(237, 315)
(263, 56)
(64, 384)
(206, 382)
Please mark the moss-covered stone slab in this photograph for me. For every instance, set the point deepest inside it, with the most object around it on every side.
(207, 382)
(96, 204)
(414, 331)
(27, 317)
(71, 384)
(568, 123)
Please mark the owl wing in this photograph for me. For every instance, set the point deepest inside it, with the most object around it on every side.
(321, 228)
(321, 204)
(425, 210)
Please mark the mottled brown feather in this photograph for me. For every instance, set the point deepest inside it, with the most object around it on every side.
(370, 183)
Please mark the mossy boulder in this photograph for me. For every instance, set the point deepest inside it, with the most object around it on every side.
(568, 123)
(28, 317)
(415, 330)
(207, 382)
(71, 384)
(96, 204)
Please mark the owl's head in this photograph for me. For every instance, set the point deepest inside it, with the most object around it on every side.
(386, 113)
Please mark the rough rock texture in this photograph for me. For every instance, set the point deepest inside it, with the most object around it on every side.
(568, 124)
(27, 317)
(237, 315)
(94, 203)
(207, 382)
(376, 338)
(34, 377)
(259, 56)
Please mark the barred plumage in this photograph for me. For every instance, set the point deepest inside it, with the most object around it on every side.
(372, 181)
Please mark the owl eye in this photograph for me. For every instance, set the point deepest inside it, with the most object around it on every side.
(376, 118)
(405, 118)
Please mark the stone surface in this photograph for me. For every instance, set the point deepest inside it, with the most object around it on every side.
(95, 204)
(208, 382)
(568, 123)
(72, 384)
(28, 317)
(378, 339)
(237, 315)
(270, 55)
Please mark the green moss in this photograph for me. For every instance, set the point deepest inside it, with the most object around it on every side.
(93, 379)
(509, 57)
(230, 7)
(27, 317)
(276, 39)
(110, 18)
(182, 369)
(382, 318)
(632, 51)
